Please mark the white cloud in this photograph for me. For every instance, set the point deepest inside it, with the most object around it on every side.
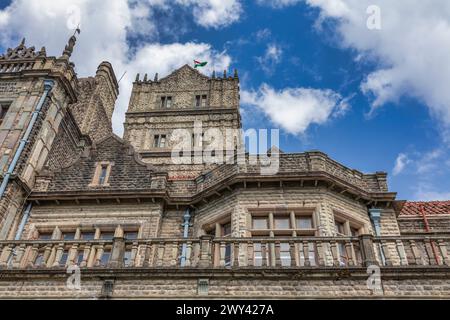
(429, 195)
(295, 109)
(412, 48)
(105, 27)
(272, 57)
(400, 164)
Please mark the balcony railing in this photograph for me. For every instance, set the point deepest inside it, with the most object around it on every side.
(207, 252)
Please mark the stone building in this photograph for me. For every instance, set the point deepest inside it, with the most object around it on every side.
(77, 200)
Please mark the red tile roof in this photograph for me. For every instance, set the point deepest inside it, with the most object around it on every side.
(430, 208)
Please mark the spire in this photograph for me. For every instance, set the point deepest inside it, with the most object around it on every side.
(145, 78)
(213, 75)
(236, 74)
(68, 50)
(224, 74)
(137, 77)
(43, 52)
(156, 77)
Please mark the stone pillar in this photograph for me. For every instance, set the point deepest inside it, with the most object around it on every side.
(205, 251)
(118, 249)
(369, 257)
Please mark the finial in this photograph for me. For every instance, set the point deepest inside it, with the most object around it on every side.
(137, 77)
(213, 75)
(23, 42)
(236, 74)
(156, 77)
(68, 50)
(145, 78)
(43, 52)
(224, 74)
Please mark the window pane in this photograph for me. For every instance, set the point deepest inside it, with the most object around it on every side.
(197, 101)
(63, 260)
(127, 258)
(355, 232)
(285, 254)
(260, 224)
(130, 235)
(3, 111)
(105, 258)
(69, 236)
(79, 258)
(45, 236)
(226, 230)
(163, 102)
(204, 98)
(162, 143)
(340, 228)
(282, 223)
(156, 141)
(304, 223)
(228, 255)
(103, 174)
(169, 102)
(88, 236)
(107, 235)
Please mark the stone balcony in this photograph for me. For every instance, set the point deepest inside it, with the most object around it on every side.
(207, 252)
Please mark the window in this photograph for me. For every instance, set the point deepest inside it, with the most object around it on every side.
(103, 172)
(130, 235)
(340, 228)
(45, 236)
(201, 100)
(260, 224)
(285, 254)
(107, 236)
(304, 222)
(166, 102)
(79, 258)
(105, 258)
(68, 236)
(197, 140)
(127, 258)
(87, 236)
(159, 141)
(64, 257)
(3, 110)
(282, 223)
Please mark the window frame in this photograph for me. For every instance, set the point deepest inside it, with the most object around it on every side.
(158, 141)
(4, 109)
(163, 102)
(96, 180)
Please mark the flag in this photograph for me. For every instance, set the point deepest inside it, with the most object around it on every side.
(198, 64)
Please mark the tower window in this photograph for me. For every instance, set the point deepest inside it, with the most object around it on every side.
(200, 101)
(166, 102)
(3, 110)
(102, 174)
(159, 141)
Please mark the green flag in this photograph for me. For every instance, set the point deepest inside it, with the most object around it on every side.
(198, 64)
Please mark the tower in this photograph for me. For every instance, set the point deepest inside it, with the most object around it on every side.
(182, 100)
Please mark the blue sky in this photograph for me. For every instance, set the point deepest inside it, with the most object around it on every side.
(286, 49)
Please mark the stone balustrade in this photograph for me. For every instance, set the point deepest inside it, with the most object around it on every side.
(210, 252)
(10, 66)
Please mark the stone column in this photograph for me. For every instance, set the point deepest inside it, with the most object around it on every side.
(118, 249)
(205, 251)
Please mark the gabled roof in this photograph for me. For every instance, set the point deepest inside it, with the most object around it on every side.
(186, 69)
(429, 208)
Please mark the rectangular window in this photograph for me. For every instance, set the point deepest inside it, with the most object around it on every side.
(69, 236)
(130, 235)
(159, 141)
(304, 222)
(226, 230)
(107, 236)
(285, 254)
(340, 228)
(3, 111)
(127, 258)
(166, 102)
(105, 258)
(64, 257)
(45, 236)
(87, 236)
(260, 224)
(103, 173)
(201, 101)
(282, 223)
(79, 258)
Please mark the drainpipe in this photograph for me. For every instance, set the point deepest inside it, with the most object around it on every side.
(186, 224)
(375, 216)
(48, 85)
(23, 222)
